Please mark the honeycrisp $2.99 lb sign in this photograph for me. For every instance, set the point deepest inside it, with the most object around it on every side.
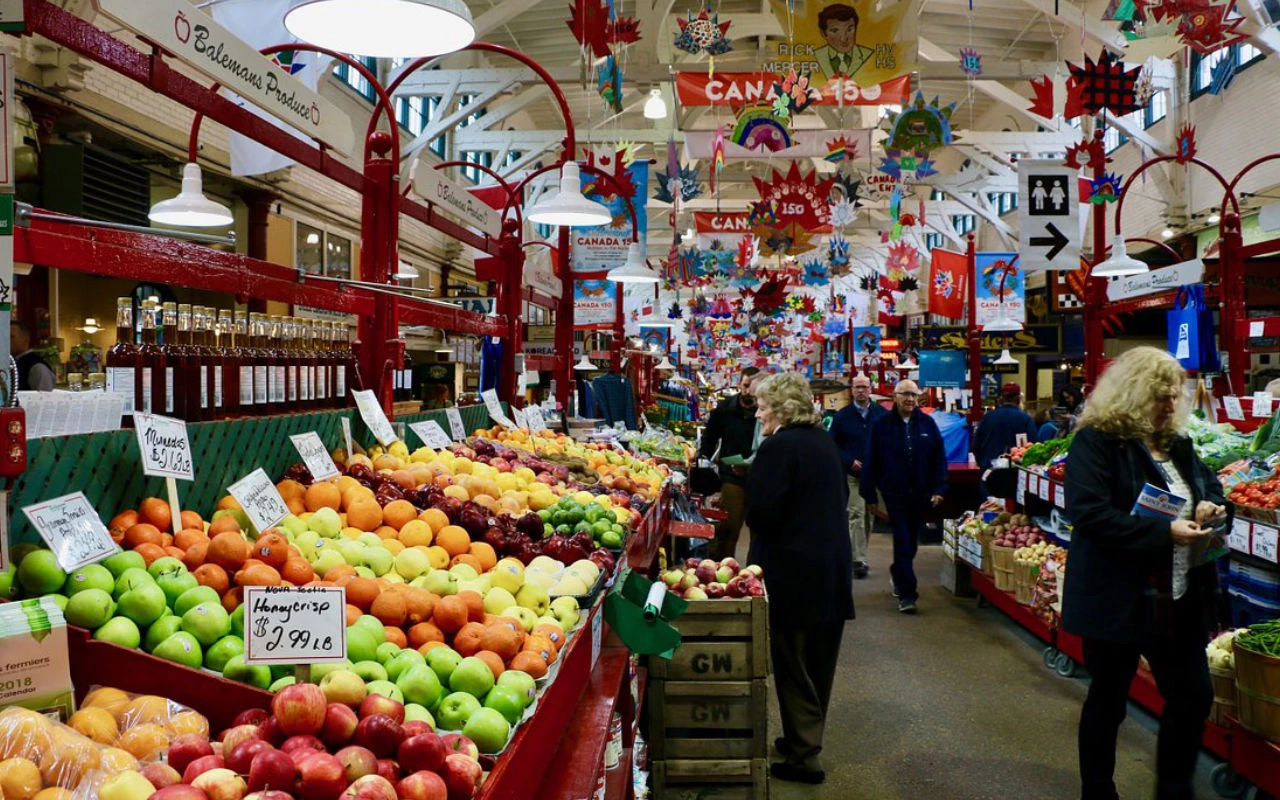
(295, 624)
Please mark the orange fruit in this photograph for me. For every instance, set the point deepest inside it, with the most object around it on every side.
(258, 575)
(429, 646)
(457, 492)
(322, 495)
(143, 709)
(298, 571)
(150, 552)
(353, 613)
(356, 493)
(189, 536)
(143, 741)
(185, 722)
(554, 634)
(228, 503)
(434, 517)
(361, 592)
(396, 636)
(228, 550)
(467, 641)
(469, 560)
(475, 605)
(156, 511)
(108, 697)
(450, 614)
(339, 572)
(195, 555)
(224, 524)
(365, 514)
(453, 539)
(387, 532)
(419, 604)
(190, 519)
(496, 665)
(542, 646)
(95, 723)
(389, 608)
(416, 533)
(142, 533)
(122, 522)
(213, 576)
(271, 548)
(501, 640)
(398, 513)
(116, 760)
(437, 556)
(529, 662)
(232, 599)
(483, 551)
(176, 552)
(425, 633)
(290, 489)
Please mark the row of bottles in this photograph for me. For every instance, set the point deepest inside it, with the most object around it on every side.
(199, 364)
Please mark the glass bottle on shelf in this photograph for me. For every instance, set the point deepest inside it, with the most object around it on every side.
(258, 358)
(151, 393)
(289, 337)
(275, 362)
(97, 381)
(247, 356)
(174, 362)
(324, 392)
(336, 335)
(306, 365)
(347, 356)
(122, 360)
(185, 379)
(406, 377)
(226, 380)
(208, 359)
(75, 382)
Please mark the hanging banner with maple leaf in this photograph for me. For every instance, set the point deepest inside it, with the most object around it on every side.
(603, 247)
(737, 89)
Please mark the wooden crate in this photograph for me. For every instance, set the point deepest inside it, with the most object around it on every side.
(724, 640)
(708, 719)
(720, 779)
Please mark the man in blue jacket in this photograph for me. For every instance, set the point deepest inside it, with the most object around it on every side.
(907, 462)
(998, 431)
(849, 428)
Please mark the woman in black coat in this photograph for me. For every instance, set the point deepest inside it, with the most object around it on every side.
(796, 498)
(1141, 585)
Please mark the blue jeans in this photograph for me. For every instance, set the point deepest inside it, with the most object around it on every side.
(905, 520)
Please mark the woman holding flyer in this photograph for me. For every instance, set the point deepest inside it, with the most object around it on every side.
(1148, 522)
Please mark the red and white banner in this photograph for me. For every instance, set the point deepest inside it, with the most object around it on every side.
(747, 88)
(726, 228)
(853, 145)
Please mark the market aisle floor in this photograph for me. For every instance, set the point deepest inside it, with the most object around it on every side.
(955, 704)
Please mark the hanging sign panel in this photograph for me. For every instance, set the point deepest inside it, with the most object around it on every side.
(863, 41)
(602, 247)
(1165, 279)
(454, 199)
(850, 145)
(194, 37)
(1048, 215)
(748, 88)
(11, 16)
(595, 304)
(1001, 286)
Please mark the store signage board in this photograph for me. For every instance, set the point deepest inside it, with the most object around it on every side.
(456, 425)
(1262, 405)
(496, 413)
(374, 417)
(295, 625)
(1157, 280)
(1232, 406)
(1031, 339)
(540, 276)
(165, 446)
(1264, 543)
(258, 497)
(315, 455)
(450, 196)
(11, 16)
(71, 527)
(1048, 215)
(194, 36)
(431, 434)
(1239, 537)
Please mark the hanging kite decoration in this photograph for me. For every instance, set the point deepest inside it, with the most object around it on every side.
(1106, 84)
(704, 33)
(792, 96)
(717, 157)
(1186, 145)
(1105, 188)
(1205, 27)
(887, 298)
(970, 62)
(902, 258)
(756, 128)
(682, 185)
(1042, 98)
(609, 84)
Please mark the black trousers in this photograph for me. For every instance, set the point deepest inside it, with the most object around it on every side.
(804, 668)
(1181, 671)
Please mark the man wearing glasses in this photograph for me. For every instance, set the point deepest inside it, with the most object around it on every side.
(906, 462)
(849, 428)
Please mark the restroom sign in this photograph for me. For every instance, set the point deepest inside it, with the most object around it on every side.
(1048, 216)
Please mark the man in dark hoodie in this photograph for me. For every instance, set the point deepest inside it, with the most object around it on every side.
(732, 429)
(850, 428)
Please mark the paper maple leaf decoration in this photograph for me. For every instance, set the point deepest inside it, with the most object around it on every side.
(1186, 146)
(613, 164)
(902, 257)
(1042, 98)
(1094, 151)
(589, 21)
(623, 30)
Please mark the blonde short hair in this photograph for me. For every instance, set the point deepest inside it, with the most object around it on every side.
(1121, 403)
(789, 396)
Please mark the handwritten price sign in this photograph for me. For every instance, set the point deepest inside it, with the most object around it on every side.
(455, 424)
(259, 498)
(374, 417)
(431, 434)
(315, 455)
(72, 529)
(166, 449)
(295, 624)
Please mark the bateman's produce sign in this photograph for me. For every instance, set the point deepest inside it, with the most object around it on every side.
(197, 39)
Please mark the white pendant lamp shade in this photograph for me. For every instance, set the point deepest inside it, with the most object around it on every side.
(383, 28)
(405, 272)
(653, 320)
(1006, 359)
(584, 364)
(1120, 263)
(191, 209)
(908, 364)
(569, 207)
(633, 270)
(655, 107)
(1002, 323)
(664, 364)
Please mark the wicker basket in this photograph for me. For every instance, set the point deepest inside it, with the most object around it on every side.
(1224, 695)
(1258, 687)
(987, 568)
(1002, 565)
(1024, 582)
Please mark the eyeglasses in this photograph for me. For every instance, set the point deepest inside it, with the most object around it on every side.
(912, 395)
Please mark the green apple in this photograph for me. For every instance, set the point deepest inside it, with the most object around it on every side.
(127, 785)
(369, 671)
(497, 600)
(378, 558)
(351, 550)
(23, 550)
(280, 683)
(443, 660)
(295, 525)
(488, 729)
(237, 670)
(545, 564)
(370, 623)
(90, 608)
(180, 648)
(361, 644)
(386, 689)
(521, 683)
(165, 564)
(369, 539)
(472, 676)
(217, 656)
(527, 618)
(393, 577)
(91, 576)
(507, 702)
(385, 652)
(508, 574)
(411, 562)
(326, 559)
(194, 597)
(208, 622)
(306, 542)
(455, 709)
(420, 684)
(413, 711)
(326, 522)
(566, 611)
(118, 563)
(363, 571)
(9, 586)
(547, 619)
(39, 573)
(121, 631)
(569, 585)
(318, 671)
(533, 598)
(401, 661)
(441, 582)
(144, 604)
(237, 621)
(175, 584)
(131, 579)
(279, 671)
(464, 572)
(161, 629)
(342, 686)
(612, 540)
(586, 568)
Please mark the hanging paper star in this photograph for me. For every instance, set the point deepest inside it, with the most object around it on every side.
(757, 129)
(704, 33)
(838, 254)
(610, 160)
(1223, 73)
(920, 126)
(684, 185)
(794, 92)
(589, 21)
(1106, 84)
(674, 312)
(970, 62)
(797, 197)
(908, 283)
(623, 30)
(816, 272)
(1105, 189)
(609, 83)
(843, 213)
(842, 149)
(762, 213)
(1186, 146)
(902, 257)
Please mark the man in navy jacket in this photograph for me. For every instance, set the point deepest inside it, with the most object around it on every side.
(998, 431)
(850, 428)
(907, 462)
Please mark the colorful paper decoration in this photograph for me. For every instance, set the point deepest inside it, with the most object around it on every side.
(1185, 149)
(842, 149)
(914, 164)
(1105, 188)
(816, 272)
(902, 258)
(615, 164)
(757, 129)
(1223, 73)
(970, 62)
(857, 41)
(838, 255)
(589, 21)
(920, 127)
(704, 33)
(842, 213)
(609, 83)
(797, 197)
(1042, 100)
(1094, 151)
(770, 297)
(1203, 26)
(717, 157)
(683, 184)
(1106, 84)
(623, 30)
(793, 95)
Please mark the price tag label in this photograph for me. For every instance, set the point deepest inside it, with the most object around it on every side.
(1257, 329)
(522, 419)
(166, 449)
(431, 434)
(1021, 493)
(1262, 404)
(1238, 539)
(537, 423)
(1264, 542)
(1020, 440)
(315, 455)
(496, 413)
(597, 636)
(373, 415)
(1232, 406)
(72, 529)
(455, 424)
(295, 624)
(1046, 489)
(1059, 496)
(259, 498)
(346, 437)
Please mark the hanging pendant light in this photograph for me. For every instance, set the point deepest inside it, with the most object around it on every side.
(654, 320)
(585, 364)
(1006, 359)
(1120, 263)
(90, 326)
(665, 364)
(383, 28)
(191, 209)
(655, 107)
(634, 269)
(569, 207)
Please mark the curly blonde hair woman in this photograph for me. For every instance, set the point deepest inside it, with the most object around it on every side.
(1141, 584)
(796, 498)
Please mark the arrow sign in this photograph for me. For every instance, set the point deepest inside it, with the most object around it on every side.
(1055, 241)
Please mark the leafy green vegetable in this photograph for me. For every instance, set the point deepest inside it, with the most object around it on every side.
(1263, 638)
(1043, 452)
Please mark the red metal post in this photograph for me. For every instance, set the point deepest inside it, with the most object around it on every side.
(381, 349)
(564, 321)
(509, 303)
(1095, 292)
(1231, 303)
(975, 336)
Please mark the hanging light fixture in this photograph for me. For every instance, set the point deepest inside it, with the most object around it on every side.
(634, 269)
(1167, 233)
(1215, 218)
(585, 364)
(569, 207)
(665, 364)
(90, 326)
(191, 209)
(1120, 263)
(1006, 359)
(383, 28)
(654, 320)
(405, 272)
(655, 107)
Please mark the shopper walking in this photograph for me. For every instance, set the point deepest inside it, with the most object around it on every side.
(732, 430)
(906, 462)
(1139, 585)
(796, 508)
(998, 431)
(849, 428)
(33, 374)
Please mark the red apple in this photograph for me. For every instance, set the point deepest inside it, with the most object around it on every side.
(357, 761)
(380, 704)
(422, 786)
(457, 743)
(242, 755)
(180, 791)
(251, 716)
(221, 784)
(416, 726)
(300, 707)
(271, 731)
(200, 766)
(320, 777)
(302, 741)
(426, 751)
(388, 769)
(272, 769)
(271, 794)
(161, 775)
(187, 748)
(462, 776)
(339, 725)
(240, 733)
(381, 734)
(371, 787)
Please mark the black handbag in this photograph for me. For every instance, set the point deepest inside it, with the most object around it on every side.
(704, 481)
